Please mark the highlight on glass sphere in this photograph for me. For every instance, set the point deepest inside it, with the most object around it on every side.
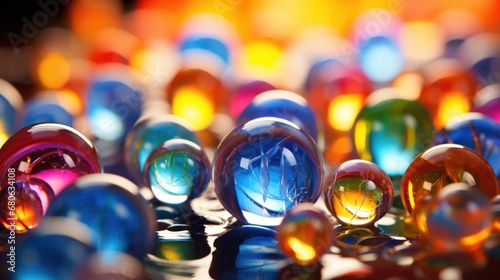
(358, 192)
(442, 165)
(264, 167)
(282, 104)
(391, 133)
(177, 171)
(119, 218)
(148, 133)
(458, 218)
(305, 234)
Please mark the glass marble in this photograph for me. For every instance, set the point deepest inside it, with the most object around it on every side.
(305, 234)
(245, 93)
(391, 133)
(11, 103)
(119, 218)
(442, 165)
(477, 132)
(264, 167)
(206, 43)
(177, 171)
(150, 132)
(195, 95)
(490, 108)
(381, 59)
(113, 105)
(24, 202)
(282, 104)
(358, 192)
(54, 250)
(39, 111)
(458, 218)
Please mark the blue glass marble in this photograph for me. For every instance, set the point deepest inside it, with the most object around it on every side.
(55, 250)
(485, 70)
(475, 131)
(177, 171)
(112, 107)
(380, 59)
(206, 43)
(40, 111)
(282, 104)
(120, 219)
(264, 167)
(150, 132)
(391, 133)
(11, 103)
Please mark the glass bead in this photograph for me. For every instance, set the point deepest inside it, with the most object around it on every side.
(54, 153)
(264, 167)
(11, 103)
(305, 234)
(442, 165)
(120, 219)
(477, 132)
(358, 192)
(282, 104)
(24, 202)
(390, 133)
(458, 218)
(150, 132)
(244, 95)
(177, 171)
(54, 250)
(195, 95)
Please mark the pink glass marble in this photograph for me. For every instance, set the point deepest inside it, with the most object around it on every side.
(244, 95)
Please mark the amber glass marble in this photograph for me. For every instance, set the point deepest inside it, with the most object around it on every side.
(305, 233)
(358, 192)
(442, 165)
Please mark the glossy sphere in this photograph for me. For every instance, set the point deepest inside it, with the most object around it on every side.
(120, 219)
(442, 165)
(282, 104)
(244, 95)
(177, 171)
(391, 133)
(381, 59)
(477, 132)
(490, 109)
(358, 192)
(305, 234)
(39, 111)
(195, 95)
(24, 203)
(206, 43)
(54, 250)
(150, 132)
(55, 153)
(458, 218)
(263, 168)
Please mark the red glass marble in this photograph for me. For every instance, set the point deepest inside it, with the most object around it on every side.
(305, 234)
(358, 192)
(442, 165)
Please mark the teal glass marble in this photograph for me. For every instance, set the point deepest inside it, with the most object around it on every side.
(119, 218)
(391, 133)
(282, 104)
(150, 132)
(475, 131)
(177, 171)
(264, 167)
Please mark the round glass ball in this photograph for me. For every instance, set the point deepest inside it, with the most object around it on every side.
(264, 167)
(358, 192)
(442, 165)
(177, 171)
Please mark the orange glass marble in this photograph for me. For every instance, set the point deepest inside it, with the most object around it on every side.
(442, 165)
(305, 234)
(358, 192)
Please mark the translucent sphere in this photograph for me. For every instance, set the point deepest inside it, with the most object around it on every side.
(244, 95)
(177, 171)
(458, 218)
(120, 219)
(305, 234)
(24, 202)
(391, 133)
(442, 165)
(264, 167)
(40, 111)
(381, 59)
(358, 192)
(150, 132)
